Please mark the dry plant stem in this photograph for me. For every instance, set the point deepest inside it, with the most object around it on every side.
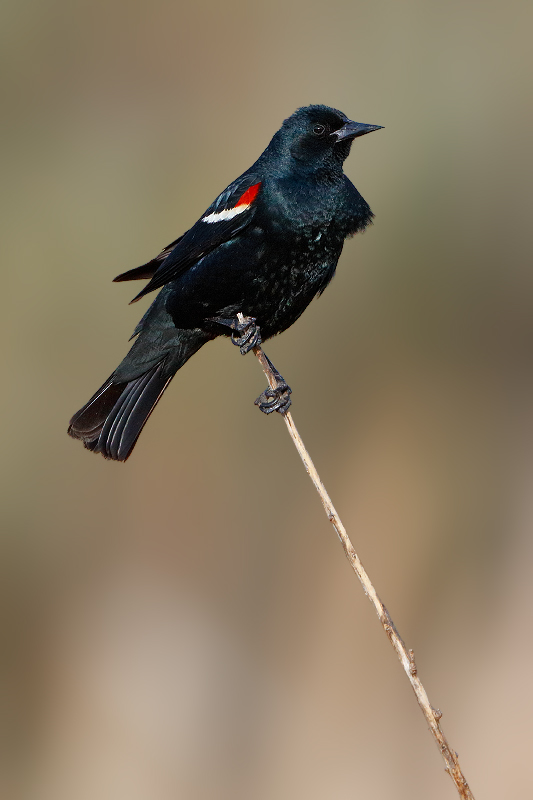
(406, 656)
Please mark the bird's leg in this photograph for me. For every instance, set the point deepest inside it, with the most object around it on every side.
(250, 334)
(245, 333)
(278, 395)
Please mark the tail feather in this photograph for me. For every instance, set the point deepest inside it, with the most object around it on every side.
(87, 423)
(112, 420)
(122, 416)
(141, 397)
(110, 423)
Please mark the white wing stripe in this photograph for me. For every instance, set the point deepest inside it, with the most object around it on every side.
(227, 213)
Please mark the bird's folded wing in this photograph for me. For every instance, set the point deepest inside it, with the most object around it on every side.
(231, 212)
(148, 270)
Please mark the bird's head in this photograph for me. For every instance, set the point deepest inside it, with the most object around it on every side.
(319, 136)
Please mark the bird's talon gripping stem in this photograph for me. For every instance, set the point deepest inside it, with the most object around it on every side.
(278, 399)
(251, 337)
(250, 334)
(246, 335)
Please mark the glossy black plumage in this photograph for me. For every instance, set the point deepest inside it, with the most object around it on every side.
(265, 248)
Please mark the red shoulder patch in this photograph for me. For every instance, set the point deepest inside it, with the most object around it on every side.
(249, 195)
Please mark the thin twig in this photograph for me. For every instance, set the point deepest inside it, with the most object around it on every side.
(406, 656)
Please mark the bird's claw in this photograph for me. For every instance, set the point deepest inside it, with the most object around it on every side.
(277, 399)
(250, 335)
(245, 334)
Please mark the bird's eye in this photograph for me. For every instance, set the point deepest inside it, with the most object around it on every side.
(318, 130)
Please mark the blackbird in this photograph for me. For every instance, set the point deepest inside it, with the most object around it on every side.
(248, 268)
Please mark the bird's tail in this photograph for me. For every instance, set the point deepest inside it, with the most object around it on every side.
(111, 422)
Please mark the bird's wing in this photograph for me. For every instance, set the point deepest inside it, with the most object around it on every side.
(231, 212)
(148, 270)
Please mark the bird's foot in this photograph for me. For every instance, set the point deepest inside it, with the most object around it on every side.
(277, 398)
(250, 335)
(245, 334)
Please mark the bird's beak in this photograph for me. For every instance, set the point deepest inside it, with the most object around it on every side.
(354, 129)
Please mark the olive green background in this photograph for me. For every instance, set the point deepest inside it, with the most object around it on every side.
(185, 625)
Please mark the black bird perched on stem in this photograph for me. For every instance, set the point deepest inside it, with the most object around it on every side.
(248, 268)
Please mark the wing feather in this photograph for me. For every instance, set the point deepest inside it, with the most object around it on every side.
(147, 270)
(231, 212)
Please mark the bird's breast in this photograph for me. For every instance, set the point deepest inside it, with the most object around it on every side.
(299, 207)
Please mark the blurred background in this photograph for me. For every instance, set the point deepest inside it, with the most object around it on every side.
(186, 625)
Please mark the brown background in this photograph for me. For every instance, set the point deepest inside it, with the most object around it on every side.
(185, 626)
